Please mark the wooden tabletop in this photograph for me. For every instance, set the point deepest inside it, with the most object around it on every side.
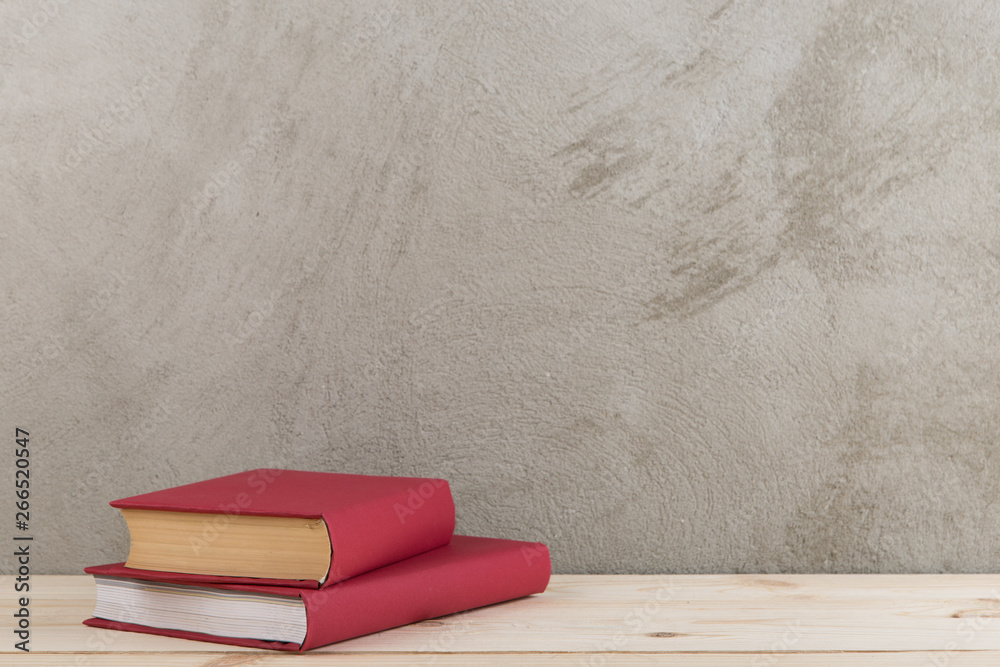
(749, 620)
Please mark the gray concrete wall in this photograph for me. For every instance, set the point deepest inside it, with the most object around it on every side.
(673, 286)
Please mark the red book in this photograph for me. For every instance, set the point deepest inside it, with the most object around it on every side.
(351, 523)
(467, 573)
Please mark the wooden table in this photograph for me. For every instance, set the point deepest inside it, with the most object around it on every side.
(750, 620)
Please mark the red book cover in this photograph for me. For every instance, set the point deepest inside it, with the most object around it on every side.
(469, 572)
(372, 521)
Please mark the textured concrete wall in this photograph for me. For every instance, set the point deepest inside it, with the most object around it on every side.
(673, 286)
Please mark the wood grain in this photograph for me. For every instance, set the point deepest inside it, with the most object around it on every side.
(594, 620)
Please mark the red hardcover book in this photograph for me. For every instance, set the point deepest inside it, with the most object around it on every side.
(467, 573)
(364, 522)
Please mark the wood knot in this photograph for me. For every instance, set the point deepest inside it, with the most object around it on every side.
(977, 613)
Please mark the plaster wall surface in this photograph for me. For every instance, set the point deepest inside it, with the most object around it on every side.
(672, 286)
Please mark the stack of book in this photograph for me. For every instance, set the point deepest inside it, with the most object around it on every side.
(293, 560)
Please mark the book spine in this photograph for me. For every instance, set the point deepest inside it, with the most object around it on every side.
(390, 529)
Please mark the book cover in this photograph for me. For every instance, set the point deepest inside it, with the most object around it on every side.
(469, 572)
(372, 521)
